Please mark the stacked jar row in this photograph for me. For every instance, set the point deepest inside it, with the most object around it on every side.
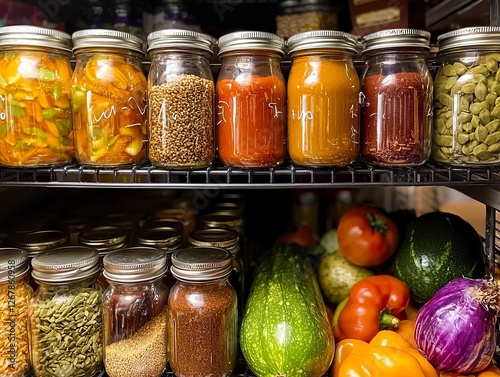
(106, 113)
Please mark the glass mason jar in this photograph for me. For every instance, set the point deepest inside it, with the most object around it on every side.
(251, 92)
(135, 313)
(396, 116)
(181, 99)
(323, 99)
(109, 98)
(65, 313)
(35, 113)
(467, 98)
(15, 293)
(203, 314)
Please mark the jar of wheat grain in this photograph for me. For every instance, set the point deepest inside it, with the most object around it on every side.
(181, 99)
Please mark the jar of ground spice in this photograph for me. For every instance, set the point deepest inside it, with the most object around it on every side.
(15, 293)
(467, 98)
(396, 121)
(108, 97)
(251, 94)
(203, 314)
(323, 99)
(135, 313)
(181, 98)
(65, 313)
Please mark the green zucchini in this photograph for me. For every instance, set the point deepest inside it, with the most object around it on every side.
(285, 330)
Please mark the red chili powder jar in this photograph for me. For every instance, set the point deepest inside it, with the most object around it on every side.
(396, 113)
(251, 92)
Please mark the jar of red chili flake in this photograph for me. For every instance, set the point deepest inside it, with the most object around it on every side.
(396, 113)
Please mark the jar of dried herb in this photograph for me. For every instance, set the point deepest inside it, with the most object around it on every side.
(135, 313)
(181, 98)
(203, 313)
(15, 293)
(65, 313)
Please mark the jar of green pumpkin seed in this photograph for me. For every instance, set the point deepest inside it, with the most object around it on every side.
(65, 313)
(467, 98)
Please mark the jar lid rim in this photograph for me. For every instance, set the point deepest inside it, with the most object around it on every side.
(396, 38)
(251, 40)
(19, 35)
(171, 38)
(483, 36)
(316, 39)
(95, 38)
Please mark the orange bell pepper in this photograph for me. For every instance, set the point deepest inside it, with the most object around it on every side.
(374, 303)
(389, 354)
(406, 328)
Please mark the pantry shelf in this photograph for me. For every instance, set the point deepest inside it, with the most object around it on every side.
(286, 176)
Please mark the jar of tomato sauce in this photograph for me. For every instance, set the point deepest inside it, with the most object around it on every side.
(35, 111)
(251, 92)
(396, 122)
(109, 98)
(323, 99)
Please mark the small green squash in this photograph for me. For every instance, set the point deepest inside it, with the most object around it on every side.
(285, 330)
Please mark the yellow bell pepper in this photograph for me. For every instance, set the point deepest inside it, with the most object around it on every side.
(388, 354)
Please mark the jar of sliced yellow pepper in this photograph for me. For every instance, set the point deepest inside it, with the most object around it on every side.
(109, 100)
(35, 112)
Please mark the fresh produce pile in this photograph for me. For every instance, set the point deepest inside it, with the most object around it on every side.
(377, 296)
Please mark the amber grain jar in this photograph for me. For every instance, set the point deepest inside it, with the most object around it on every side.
(203, 314)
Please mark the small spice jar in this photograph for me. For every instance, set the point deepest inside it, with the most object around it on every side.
(181, 99)
(251, 94)
(203, 314)
(396, 120)
(65, 313)
(323, 99)
(35, 111)
(15, 293)
(135, 313)
(109, 98)
(467, 98)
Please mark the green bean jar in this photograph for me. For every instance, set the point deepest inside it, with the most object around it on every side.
(65, 313)
(467, 98)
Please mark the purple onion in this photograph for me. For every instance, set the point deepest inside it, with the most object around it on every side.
(455, 329)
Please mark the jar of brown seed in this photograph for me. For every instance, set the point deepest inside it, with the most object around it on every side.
(181, 99)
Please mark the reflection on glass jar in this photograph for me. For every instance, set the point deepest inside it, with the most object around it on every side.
(323, 99)
(251, 100)
(35, 113)
(108, 94)
(396, 122)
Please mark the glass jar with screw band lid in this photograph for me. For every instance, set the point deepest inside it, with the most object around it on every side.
(396, 85)
(181, 98)
(104, 239)
(15, 293)
(164, 222)
(165, 238)
(251, 93)
(228, 240)
(298, 16)
(109, 98)
(35, 111)
(323, 99)
(224, 220)
(467, 98)
(185, 215)
(135, 313)
(202, 306)
(65, 313)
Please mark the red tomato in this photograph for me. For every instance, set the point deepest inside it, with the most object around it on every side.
(366, 236)
(302, 236)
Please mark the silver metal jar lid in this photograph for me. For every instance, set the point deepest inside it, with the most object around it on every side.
(65, 264)
(163, 238)
(94, 38)
(483, 36)
(162, 222)
(324, 39)
(396, 38)
(104, 238)
(41, 240)
(179, 38)
(251, 40)
(201, 263)
(222, 219)
(26, 35)
(13, 263)
(135, 264)
(215, 237)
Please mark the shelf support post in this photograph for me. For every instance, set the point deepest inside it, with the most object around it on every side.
(490, 241)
